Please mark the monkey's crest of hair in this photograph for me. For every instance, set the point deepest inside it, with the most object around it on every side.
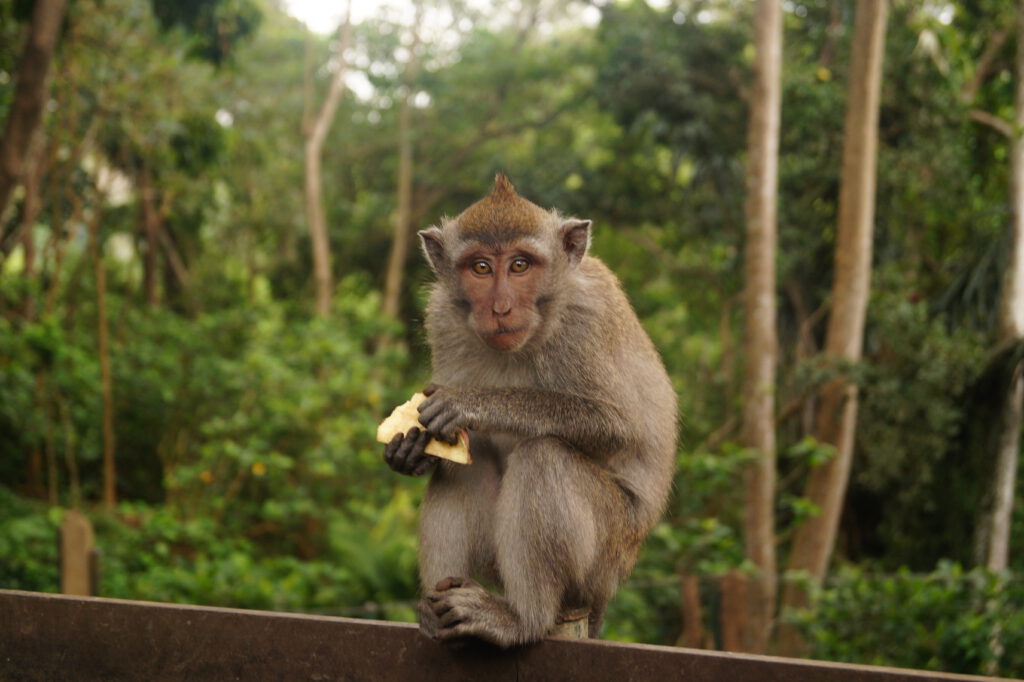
(502, 215)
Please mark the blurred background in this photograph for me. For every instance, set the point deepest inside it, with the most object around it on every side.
(211, 292)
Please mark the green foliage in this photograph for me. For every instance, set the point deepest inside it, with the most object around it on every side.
(28, 545)
(257, 428)
(153, 553)
(916, 389)
(214, 26)
(951, 619)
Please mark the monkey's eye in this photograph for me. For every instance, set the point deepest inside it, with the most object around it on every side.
(481, 267)
(519, 265)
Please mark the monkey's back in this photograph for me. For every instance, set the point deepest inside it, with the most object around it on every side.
(639, 384)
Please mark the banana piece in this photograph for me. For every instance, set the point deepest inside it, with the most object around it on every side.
(406, 416)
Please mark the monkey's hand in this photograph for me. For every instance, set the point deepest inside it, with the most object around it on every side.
(405, 454)
(446, 412)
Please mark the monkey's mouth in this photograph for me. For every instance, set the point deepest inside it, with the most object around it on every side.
(504, 338)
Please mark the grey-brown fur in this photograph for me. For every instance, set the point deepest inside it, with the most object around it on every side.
(573, 442)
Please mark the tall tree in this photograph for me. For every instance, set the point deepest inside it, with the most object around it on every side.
(403, 216)
(1011, 330)
(103, 351)
(836, 420)
(150, 227)
(758, 432)
(315, 131)
(29, 94)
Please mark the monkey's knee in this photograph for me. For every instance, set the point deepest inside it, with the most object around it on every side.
(546, 461)
(548, 468)
(548, 526)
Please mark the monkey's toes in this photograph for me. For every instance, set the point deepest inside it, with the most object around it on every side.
(452, 583)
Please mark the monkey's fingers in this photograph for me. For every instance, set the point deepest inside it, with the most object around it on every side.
(391, 450)
(441, 419)
(429, 624)
(451, 583)
(449, 619)
(441, 607)
(415, 454)
(405, 454)
(425, 465)
(430, 409)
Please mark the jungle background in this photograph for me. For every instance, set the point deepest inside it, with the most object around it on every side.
(195, 358)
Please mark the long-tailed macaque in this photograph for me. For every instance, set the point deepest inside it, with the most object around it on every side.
(571, 419)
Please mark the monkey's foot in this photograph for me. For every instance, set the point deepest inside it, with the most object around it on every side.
(458, 608)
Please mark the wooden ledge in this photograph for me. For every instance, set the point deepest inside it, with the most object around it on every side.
(57, 637)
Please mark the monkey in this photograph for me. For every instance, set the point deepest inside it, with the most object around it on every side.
(572, 419)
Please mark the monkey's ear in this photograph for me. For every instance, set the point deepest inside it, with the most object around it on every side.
(433, 248)
(576, 239)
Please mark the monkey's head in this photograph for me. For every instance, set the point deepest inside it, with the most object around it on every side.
(503, 262)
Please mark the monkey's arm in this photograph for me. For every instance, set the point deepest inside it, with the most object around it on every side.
(591, 426)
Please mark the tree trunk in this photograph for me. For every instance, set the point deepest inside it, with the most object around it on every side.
(29, 94)
(103, 349)
(150, 227)
(34, 472)
(1011, 329)
(760, 337)
(1000, 521)
(735, 615)
(316, 134)
(400, 241)
(693, 634)
(814, 541)
(403, 217)
(31, 207)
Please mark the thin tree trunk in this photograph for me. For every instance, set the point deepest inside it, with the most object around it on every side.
(150, 228)
(70, 461)
(734, 612)
(403, 217)
(760, 337)
(31, 207)
(832, 33)
(316, 134)
(814, 541)
(693, 633)
(40, 158)
(34, 473)
(1011, 329)
(1000, 521)
(103, 348)
(52, 478)
(30, 93)
(400, 241)
(983, 68)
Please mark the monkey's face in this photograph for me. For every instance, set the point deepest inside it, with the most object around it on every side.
(503, 286)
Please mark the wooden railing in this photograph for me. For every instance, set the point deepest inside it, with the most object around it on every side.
(57, 637)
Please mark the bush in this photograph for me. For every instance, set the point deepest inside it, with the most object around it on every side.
(28, 545)
(951, 620)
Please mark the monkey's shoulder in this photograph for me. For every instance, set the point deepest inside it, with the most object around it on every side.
(593, 268)
(603, 300)
(603, 285)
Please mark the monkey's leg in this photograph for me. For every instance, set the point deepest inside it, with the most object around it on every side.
(457, 527)
(558, 530)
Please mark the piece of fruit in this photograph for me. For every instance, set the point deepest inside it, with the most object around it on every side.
(406, 416)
